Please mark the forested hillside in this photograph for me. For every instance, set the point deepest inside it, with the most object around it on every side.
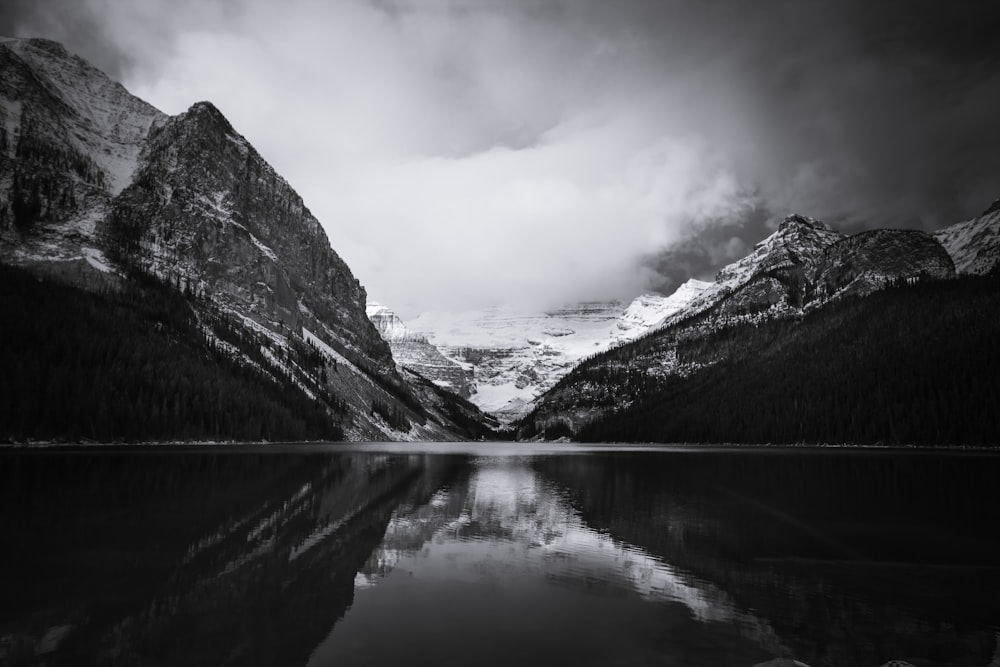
(133, 363)
(913, 364)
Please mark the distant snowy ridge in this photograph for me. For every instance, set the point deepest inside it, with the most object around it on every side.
(414, 352)
(517, 355)
(388, 324)
(514, 354)
(974, 245)
(649, 311)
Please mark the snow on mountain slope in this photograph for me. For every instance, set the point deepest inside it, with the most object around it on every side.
(73, 135)
(107, 123)
(413, 351)
(389, 326)
(974, 245)
(650, 310)
(796, 246)
(801, 267)
(517, 355)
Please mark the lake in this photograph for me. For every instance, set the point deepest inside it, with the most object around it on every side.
(505, 554)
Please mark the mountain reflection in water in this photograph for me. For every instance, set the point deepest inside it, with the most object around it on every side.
(328, 556)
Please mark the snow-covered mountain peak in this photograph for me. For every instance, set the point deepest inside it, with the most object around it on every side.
(414, 352)
(389, 326)
(649, 311)
(687, 291)
(797, 245)
(516, 354)
(798, 241)
(795, 219)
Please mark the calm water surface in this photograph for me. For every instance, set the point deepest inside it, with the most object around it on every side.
(498, 555)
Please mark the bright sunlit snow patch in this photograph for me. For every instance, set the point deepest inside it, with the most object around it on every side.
(97, 260)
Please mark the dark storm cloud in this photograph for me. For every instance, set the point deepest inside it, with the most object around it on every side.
(464, 151)
(703, 252)
(862, 114)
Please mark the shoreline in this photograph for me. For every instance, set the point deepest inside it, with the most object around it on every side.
(500, 447)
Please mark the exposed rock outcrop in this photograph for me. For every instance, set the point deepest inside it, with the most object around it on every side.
(867, 261)
(771, 278)
(205, 210)
(974, 245)
(415, 352)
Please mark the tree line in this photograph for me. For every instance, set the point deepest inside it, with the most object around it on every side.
(912, 364)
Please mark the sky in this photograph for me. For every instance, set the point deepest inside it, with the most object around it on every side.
(464, 153)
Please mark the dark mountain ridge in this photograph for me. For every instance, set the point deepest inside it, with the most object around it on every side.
(814, 337)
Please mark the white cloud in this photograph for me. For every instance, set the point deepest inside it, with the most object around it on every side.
(455, 159)
(565, 219)
(472, 151)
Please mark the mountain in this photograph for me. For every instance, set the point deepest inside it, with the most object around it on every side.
(650, 311)
(415, 352)
(512, 355)
(516, 354)
(974, 245)
(867, 261)
(102, 192)
(70, 140)
(771, 276)
(813, 337)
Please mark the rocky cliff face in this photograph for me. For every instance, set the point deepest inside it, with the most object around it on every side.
(207, 212)
(865, 262)
(774, 277)
(58, 101)
(97, 186)
(414, 352)
(70, 140)
(974, 245)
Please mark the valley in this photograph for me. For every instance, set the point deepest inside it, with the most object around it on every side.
(104, 194)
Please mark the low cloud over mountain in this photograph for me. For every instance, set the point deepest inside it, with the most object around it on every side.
(567, 150)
